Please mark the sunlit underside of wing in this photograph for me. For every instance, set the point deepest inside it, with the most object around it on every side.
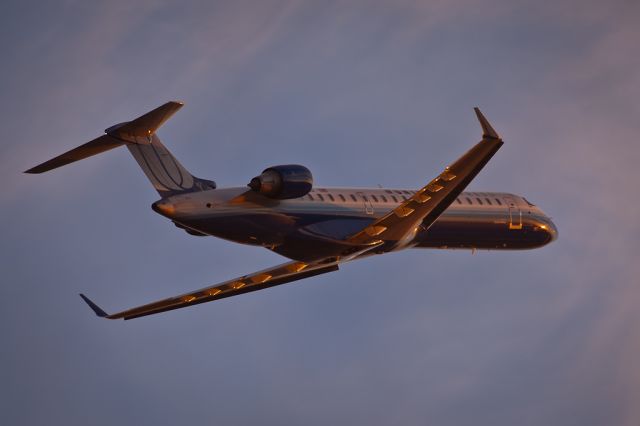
(424, 207)
(260, 280)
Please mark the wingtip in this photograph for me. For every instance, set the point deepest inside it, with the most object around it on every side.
(176, 104)
(487, 130)
(40, 168)
(99, 312)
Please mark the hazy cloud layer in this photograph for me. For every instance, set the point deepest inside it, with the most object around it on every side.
(364, 93)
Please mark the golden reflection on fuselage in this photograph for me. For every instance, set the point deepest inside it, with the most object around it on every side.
(475, 220)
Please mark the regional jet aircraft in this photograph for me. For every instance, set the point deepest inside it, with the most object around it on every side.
(317, 228)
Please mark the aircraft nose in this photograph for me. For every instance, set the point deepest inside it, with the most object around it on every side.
(553, 230)
(164, 207)
(548, 227)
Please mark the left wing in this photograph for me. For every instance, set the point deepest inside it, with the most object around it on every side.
(266, 278)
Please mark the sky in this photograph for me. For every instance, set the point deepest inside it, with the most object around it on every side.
(364, 93)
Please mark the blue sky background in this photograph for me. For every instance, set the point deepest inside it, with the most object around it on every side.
(363, 93)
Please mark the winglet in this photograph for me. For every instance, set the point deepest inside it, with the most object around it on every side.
(99, 312)
(487, 130)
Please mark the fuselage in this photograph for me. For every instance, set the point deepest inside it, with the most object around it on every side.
(313, 225)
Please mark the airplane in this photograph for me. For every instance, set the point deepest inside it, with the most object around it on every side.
(317, 228)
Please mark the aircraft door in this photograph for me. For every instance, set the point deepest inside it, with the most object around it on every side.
(368, 207)
(515, 214)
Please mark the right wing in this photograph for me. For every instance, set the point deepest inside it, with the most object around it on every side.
(425, 206)
(260, 280)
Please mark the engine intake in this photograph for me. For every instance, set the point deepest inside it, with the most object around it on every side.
(283, 182)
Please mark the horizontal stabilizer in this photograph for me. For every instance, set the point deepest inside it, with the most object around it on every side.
(135, 132)
(96, 146)
(99, 312)
(147, 124)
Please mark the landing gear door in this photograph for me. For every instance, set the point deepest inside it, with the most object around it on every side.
(368, 207)
(515, 214)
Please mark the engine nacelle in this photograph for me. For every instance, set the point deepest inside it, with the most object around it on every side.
(283, 182)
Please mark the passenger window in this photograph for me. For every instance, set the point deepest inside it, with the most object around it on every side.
(374, 198)
(342, 198)
(310, 196)
(488, 201)
(395, 200)
(469, 200)
(458, 201)
(383, 198)
(330, 197)
(353, 197)
(320, 197)
(479, 201)
(498, 201)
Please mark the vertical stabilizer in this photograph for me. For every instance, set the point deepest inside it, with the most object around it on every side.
(162, 169)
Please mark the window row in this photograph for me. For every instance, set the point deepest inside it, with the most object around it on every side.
(354, 197)
(478, 200)
(394, 198)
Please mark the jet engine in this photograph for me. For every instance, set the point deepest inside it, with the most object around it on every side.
(283, 182)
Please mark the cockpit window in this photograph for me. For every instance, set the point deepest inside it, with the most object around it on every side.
(528, 202)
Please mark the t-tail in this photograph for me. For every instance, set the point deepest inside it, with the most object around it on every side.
(162, 169)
